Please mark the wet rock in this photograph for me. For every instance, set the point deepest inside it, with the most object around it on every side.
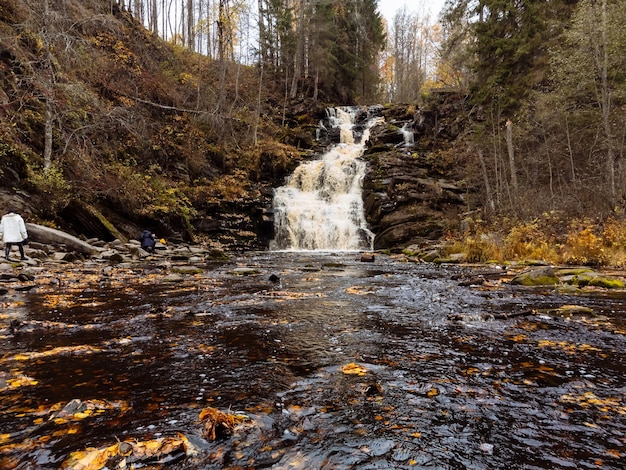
(568, 289)
(457, 257)
(571, 311)
(596, 279)
(373, 389)
(216, 255)
(62, 256)
(25, 277)
(274, 278)
(174, 277)
(245, 271)
(186, 270)
(486, 448)
(25, 288)
(430, 255)
(544, 276)
(136, 252)
(367, 257)
(473, 281)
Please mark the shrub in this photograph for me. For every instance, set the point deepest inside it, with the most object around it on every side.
(528, 241)
(482, 248)
(55, 190)
(583, 246)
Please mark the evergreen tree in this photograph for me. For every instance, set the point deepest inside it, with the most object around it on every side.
(510, 43)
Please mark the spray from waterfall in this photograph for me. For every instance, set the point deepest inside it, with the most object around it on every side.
(321, 206)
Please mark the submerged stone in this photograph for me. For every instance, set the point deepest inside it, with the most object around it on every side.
(245, 271)
(186, 270)
(571, 310)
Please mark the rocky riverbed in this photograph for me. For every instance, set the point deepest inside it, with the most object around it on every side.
(304, 360)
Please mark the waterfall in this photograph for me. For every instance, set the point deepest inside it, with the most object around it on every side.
(321, 205)
(407, 133)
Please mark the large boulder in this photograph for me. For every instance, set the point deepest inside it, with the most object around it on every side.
(542, 276)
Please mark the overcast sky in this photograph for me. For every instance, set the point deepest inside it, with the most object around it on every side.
(389, 7)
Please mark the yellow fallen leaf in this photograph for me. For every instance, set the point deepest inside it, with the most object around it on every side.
(82, 414)
(89, 459)
(152, 447)
(21, 357)
(354, 369)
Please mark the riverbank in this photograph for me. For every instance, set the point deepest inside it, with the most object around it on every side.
(550, 240)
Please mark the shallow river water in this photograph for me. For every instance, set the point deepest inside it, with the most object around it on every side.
(452, 375)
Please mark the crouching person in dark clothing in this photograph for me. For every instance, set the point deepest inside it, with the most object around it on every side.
(147, 241)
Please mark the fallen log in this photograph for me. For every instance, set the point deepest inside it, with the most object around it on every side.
(47, 235)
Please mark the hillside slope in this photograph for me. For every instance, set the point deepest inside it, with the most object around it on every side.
(143, 133)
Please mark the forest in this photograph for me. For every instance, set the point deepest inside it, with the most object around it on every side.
(183, 114)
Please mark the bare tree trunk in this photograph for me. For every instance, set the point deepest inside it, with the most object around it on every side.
(258, 106)
(221, 33)
(549, 159)
(49, 92)
(570, 150)
(509, 145)
(316, 90)
(191, 38)
(286, 97)
(221, 39)
(488, 192)
(298, 56)
(496, 164)
(262, 46)
(154, 27)
(605, 105)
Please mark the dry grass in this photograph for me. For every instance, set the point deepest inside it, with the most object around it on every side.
(582, 242)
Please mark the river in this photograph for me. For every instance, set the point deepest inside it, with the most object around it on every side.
(450, 375)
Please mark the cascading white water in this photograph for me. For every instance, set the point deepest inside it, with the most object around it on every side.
(407, 133)
(321, 206)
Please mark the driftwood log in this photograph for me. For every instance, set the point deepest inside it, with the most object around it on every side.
(47, 235)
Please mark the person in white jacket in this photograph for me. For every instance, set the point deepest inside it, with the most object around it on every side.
(13, 232)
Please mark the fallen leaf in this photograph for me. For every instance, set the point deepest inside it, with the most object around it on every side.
(354, 369)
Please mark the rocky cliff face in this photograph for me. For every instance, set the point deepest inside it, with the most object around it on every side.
(411, 192)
